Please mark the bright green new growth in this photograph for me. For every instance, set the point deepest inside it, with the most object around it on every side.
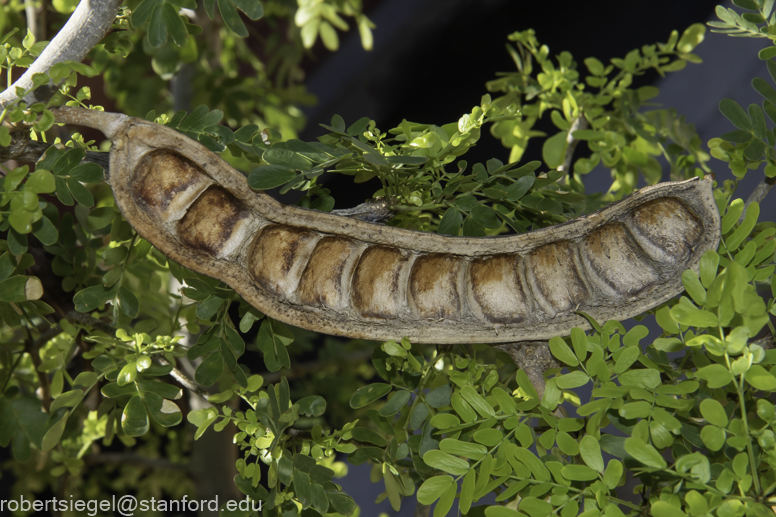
(695, 423)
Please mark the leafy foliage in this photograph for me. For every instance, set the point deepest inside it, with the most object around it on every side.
(452, 426)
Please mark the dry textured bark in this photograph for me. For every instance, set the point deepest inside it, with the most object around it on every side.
(86, 27)
(342, 276)
(534, 357)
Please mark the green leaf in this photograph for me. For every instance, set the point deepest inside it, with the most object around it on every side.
(686, 313)
(632, 410)
(572, 380)
(472, 229)
(7, 265)
(737, 136)
(174, 24)
(502, 511)
(468, 450)
(157, 30)
(713, 437)
(209, 307)
(579, 342)
(562, 351)
(760, 378)
(488, 437)
(128, 302)
(210, 369)
(232, 18)
(746, 227)
(486, 217)
(478, 403)
(253, 9)
(92, 297)
(392, 489)
(536, 507)
(613, 474)
(662, 508)
(554, 149)
(87, 173)
(439, 397)
(708, 267)
(627, 357)
(646, 378)
(418, 416)
(143, 11)
(714, 413)
(445, 462)
(451, 222)
(113, 390)
(286, 158)
(368, 394)
(693, 286)
(444, 420)
(525, 384)
(518, 189)
(755, 149)
(691, 38)
(433, 488)
(20, 288)
(54, 429)
(715, 375)
(579, 473)
(80, 193)
(362, 434)
(395, 404)
(267, 177)
(695, 501)
(134, 419)
(342, 503)
(591, 453)
(329, 36)
(735, 113)
(747, 4)
(165, 412)
(762, 87)
(41, 182)
(567, 444)
(533, 463)
(312, 405)
(644, 452)
(45, 231)
(467, 492)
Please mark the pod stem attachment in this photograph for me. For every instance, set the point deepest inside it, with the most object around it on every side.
(108, 123)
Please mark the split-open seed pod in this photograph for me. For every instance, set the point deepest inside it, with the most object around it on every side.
(347, 277)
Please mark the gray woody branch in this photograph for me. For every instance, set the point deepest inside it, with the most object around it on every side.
(89, 23)
(579, 124)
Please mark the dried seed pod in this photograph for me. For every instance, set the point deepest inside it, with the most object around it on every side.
(347, 277)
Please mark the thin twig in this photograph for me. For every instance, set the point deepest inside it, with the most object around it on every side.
(579, 124)
(185, 381)
(86, 27)
(760, 191)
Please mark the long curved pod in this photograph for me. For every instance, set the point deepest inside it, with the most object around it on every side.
(347, 277)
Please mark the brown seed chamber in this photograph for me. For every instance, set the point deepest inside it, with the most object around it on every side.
(341, 276)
